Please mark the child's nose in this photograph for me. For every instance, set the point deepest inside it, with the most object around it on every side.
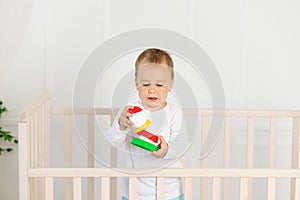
(152, 88)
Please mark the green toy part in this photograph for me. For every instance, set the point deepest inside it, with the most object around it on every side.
(143, 144)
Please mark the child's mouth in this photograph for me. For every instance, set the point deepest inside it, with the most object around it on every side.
(152, 98)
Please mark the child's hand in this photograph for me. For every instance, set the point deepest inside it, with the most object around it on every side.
(163, 148)
(124, 121)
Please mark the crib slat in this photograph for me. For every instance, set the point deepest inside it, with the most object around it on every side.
(105, 188)
(160, 188)
(68, 154)
(226, 193)
(204, 132)
(250, 134)
(49, 189)
(47, 133)
(244, 193)
(188, 188)
(68, 188)
(216, 193)
(36, 153)
(295, 154)
(250, 131)
(31, 144)
(272, 146)
(31, 147)
(43, 147)
(132, 188)
(77, 188)
(91, 139)
(24, 193)
(227, 158)
(40, 148)
(227, 144)
(41, 136)
(297, 187)
(68, 141)
(271, 188)
(36, 142)
(113, 163)
(204, 161)
(47, 137)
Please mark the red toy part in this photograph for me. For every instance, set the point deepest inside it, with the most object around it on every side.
(135, 109)
(148, 135)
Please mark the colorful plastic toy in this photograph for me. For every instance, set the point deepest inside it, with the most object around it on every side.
(141, 121)
(143, 144)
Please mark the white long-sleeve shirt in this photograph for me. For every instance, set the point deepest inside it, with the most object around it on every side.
(166, 122)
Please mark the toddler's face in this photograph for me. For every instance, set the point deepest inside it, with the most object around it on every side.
(153, 82)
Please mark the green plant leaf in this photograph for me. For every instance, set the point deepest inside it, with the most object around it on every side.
(6, 135)
(9, 138)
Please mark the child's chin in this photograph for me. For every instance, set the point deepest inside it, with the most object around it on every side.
(154, 107)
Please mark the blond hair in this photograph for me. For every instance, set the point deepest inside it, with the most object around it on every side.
(157, 56)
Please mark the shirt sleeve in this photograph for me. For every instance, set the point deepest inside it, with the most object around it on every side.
(114, 135)
(178, 141)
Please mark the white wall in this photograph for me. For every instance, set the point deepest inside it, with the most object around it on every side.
(254, 45)
(22, 29)
(271, 55)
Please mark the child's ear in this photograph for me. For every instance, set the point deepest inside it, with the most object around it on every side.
(136, 83)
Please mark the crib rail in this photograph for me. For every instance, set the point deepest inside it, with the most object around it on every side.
(37, 178)
(188, 174)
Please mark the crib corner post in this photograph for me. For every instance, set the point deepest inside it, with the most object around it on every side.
(23, 161)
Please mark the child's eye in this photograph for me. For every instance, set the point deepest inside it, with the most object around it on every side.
(146, 84)
(159, 85)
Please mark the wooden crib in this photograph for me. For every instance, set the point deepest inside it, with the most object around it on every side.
(37, 176)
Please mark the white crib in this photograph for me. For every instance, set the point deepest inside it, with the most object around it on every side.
(37, 177)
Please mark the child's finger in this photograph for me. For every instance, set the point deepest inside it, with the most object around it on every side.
(160, 152)
(125, 112)
(163, 148)
(129, 123)
(124, 121)
(162, 140)
(128, 114)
